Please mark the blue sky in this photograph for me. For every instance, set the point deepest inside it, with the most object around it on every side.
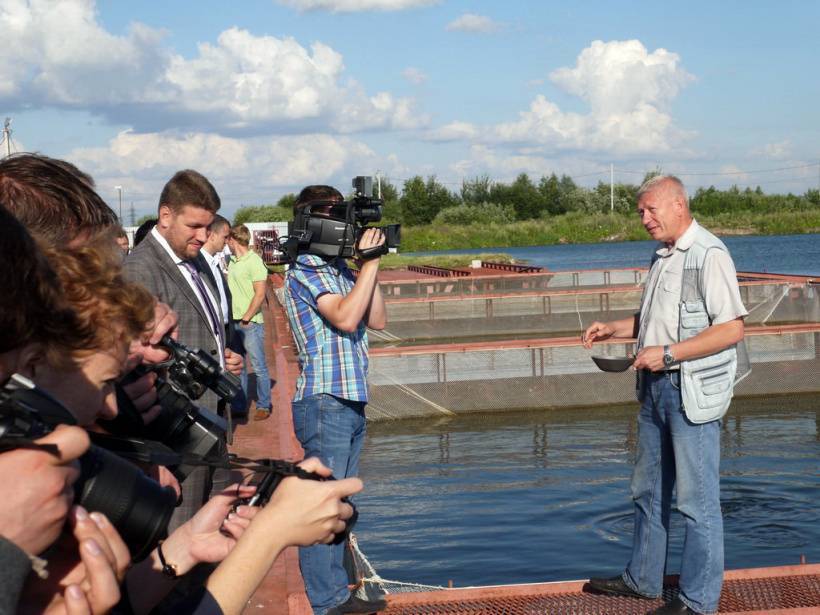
(267, 96)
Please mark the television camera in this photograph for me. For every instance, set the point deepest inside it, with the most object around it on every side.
(332, 228)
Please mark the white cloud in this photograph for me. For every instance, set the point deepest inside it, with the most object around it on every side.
(279, 161)
(775, 151)
(243, 170)
(628, 91)
(416, 76)
(620, 76)
(470, 22)
(352, 6)
(454, 131)
(503, 166)
(57, 54)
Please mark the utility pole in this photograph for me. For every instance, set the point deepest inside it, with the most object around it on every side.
(7, 135)
(119, 194)
(611, 187)
(133, 214)
(379, 184)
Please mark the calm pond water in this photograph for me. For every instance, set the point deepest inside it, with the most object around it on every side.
(544, 496)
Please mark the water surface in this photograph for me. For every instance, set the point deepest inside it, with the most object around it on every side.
(793, 254)
(542, 496)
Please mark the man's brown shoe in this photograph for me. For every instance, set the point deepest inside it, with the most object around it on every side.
(261, 415)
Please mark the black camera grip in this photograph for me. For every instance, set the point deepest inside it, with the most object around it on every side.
(274, 473)
(371, 253)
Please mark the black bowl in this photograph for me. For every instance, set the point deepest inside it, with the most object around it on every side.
(613, 364)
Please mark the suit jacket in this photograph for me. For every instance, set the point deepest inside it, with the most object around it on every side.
(150, 265)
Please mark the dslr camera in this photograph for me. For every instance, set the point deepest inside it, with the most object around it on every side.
(333, 228)
(135, 504)
(182, 426)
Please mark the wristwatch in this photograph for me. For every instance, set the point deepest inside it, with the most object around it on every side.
(668, 357)
(245, 322)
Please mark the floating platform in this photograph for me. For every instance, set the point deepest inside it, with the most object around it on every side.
(786, 589)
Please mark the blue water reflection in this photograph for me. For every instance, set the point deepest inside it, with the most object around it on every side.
(539, 496)
(794, 254)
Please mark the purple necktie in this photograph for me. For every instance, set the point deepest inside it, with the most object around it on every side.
(216, 323)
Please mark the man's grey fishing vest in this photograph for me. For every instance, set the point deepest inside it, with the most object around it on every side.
(707, 383)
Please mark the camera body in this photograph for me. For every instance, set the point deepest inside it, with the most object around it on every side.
(332, 229)
(135, 504)
(182, 426)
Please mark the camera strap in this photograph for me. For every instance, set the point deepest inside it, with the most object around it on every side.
(156, 453)
(10, 443)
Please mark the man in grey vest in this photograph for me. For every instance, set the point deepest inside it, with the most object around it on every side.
(690, 353)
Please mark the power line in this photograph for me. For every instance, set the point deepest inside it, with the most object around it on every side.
(694, 173)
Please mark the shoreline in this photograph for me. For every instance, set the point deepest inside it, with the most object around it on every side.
(594, 228)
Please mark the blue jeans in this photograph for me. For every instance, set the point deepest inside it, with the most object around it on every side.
(672, 450)
(252, 337)
(333, 430)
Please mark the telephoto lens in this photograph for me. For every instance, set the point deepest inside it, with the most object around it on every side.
(136, 505)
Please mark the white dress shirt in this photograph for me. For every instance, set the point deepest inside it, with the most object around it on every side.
(216, 269)
(186, 274)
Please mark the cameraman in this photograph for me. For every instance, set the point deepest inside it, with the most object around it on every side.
(329, 310)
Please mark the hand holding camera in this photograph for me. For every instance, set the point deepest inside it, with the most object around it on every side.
(371, 245)
(39, 492)
(311, 511)
(92, 581)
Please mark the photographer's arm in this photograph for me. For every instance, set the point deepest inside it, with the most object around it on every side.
(301, 512)
(364, 302)
(199, 540)
(376, 317)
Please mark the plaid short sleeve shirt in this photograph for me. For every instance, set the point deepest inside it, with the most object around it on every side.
(332, 361)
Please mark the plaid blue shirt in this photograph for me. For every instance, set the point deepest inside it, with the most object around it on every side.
(332, 361)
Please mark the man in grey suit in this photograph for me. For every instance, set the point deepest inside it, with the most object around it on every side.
(168, 264)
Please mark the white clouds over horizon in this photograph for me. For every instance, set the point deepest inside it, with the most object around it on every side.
(58, 55)
(628, 91)
(257, 165)
(470, 22)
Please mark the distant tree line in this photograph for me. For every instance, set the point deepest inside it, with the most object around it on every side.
(484, 201)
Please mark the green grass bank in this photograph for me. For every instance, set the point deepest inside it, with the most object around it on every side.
(594, 228)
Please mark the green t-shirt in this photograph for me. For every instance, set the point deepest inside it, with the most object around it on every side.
(243, 271)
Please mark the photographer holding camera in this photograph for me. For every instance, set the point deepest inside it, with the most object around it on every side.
(37, 486)
(329, 310)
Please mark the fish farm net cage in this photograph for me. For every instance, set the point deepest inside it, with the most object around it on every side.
(562, 312)
(498, 343)
(558, 373)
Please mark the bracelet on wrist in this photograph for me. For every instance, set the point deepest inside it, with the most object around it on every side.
(169, 570)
